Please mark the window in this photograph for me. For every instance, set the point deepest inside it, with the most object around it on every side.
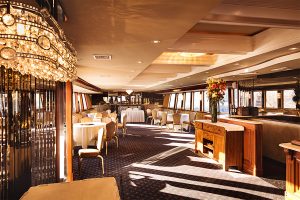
(236, 98)
(123, 99)
(79, 102)
(244, 98)
(206, 102)
(187, 105)
(288, 99)
(172, 101)
(197, 101)
(271, 99)
(257, 99)
(179, 101)
(224, 105)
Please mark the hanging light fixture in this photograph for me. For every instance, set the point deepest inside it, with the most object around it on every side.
(32, 42)
(129, 91)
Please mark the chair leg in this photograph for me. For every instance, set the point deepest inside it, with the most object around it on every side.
(117, 141)
(106, 148)
(102, 163)
(79, 166)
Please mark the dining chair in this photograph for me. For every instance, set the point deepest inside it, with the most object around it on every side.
(190, 123)
(149, 115)
(122, 125)
(104, 114)
(114, 117)
(106, 120)
(111, 134)
(154, 117)
(163, 120)
(98, 115)
(92, 153)
(86, 119)
(177, 121)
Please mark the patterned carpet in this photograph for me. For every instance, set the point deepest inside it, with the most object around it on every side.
(154, 163)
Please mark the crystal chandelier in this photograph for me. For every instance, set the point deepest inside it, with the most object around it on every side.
(32, 42)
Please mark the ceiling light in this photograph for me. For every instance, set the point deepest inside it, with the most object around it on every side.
(190, 55)
(129, 91)
(140, 62)
(246, 70)
(156, 41)
(176, 90)
(206, 72)
(236, 64)
(33, 43)
(293, 48)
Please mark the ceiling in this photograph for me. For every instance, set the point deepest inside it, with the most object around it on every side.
(152, 42)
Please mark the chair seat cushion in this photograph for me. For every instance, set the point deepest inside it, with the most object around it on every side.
(85, 153)
(120, 125)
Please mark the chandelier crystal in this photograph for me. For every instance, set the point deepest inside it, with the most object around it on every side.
(32, 42)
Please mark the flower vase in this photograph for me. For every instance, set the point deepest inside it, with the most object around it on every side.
(214, 111)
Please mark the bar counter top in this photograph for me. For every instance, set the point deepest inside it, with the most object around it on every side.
(227, 126)
(290, 146)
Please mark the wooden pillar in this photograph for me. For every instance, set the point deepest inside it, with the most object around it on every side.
(69, 101)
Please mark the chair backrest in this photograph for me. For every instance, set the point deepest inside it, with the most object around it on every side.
(192, 116)
(110, 130)
(83, 114)
(106, 119)
(108, 111)
(199, 115)
(113, 115)
(76, 118)
(154, 114)
(104, 114)
(164, 116)
(86, 119)
(148, 112)
(100, 139)
(176, 118)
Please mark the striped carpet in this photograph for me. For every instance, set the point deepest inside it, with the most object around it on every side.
(154, 163)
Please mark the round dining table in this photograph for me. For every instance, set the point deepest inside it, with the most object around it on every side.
(133, 115)
(86, 133)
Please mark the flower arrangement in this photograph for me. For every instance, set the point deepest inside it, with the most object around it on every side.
(216, 89)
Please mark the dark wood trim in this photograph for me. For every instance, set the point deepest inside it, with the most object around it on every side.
(82, 83)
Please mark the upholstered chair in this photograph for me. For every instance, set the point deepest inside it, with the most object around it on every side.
(176, 121)
(111, 134)
(149, 115)
(122, 125)
(190, 123)
(154, 117)
(92, 153)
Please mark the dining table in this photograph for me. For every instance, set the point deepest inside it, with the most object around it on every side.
(133, 115)
(86, 133)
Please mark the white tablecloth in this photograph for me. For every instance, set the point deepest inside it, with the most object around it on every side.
(86, 133)
(133, 116)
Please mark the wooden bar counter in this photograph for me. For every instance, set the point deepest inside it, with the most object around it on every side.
(292, 153)
(221, 141)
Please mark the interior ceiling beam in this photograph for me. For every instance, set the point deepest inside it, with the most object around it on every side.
(250, 21)
(216, 43)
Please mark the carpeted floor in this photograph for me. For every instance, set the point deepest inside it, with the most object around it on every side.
(151, 163)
